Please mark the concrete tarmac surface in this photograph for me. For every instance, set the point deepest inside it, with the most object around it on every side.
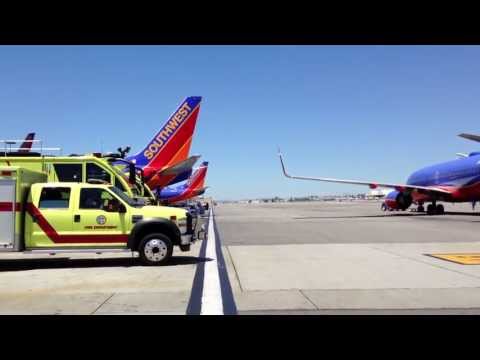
(349, 257)
(95, 284)
(104, 284)
(281, 258)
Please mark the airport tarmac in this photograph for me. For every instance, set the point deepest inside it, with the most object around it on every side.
(280, 258)
(348, 257)
(91, 284)
(94, 284)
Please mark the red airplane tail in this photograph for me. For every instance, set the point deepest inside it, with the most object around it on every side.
(172, 142)
(27, 144)
(197, 180)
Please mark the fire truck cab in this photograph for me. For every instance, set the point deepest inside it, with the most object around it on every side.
(82, 168)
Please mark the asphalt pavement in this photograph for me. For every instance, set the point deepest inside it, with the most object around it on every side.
(343, 257)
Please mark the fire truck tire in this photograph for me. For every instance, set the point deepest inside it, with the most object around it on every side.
(155, 249)
(185, 247)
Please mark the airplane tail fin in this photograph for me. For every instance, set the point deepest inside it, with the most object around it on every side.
(171, 144)
(27, 144)
(201, 191)
(170, 175)
(197, 180)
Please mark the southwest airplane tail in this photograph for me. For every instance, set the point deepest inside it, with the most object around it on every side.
(197, 180)
(199, 192)
(170, 175)
(166, 156)
(172, 142)
(195, 186)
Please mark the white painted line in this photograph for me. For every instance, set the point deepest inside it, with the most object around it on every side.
(212, 303)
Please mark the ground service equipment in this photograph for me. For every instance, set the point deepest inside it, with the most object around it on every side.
(52, 217)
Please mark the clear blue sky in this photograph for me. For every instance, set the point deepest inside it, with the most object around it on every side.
(358, 112)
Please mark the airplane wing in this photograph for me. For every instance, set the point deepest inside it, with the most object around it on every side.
(371, 184)
(470, 137)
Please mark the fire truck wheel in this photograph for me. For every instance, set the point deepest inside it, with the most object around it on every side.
(155, 249)
(185, 247)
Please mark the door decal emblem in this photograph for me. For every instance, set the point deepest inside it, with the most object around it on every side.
(101, 220)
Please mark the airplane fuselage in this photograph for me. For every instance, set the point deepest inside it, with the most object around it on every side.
(461, 177)
(451, 181)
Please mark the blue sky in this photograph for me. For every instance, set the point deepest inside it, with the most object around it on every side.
(357, 112)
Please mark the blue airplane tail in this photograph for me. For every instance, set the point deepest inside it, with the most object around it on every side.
(171, 144)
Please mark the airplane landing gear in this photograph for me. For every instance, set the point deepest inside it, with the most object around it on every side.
(434, 209)
(420, 208)
(440, 210)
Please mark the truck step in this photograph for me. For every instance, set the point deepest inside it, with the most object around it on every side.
(64, 251)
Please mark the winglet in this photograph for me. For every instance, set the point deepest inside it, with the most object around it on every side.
(283, 165)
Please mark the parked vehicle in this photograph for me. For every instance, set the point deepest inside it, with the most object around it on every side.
(37, 216)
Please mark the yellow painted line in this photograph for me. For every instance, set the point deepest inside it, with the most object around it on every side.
(460, 258)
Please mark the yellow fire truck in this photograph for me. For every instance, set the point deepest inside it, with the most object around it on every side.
(52, 217)
(91, 168)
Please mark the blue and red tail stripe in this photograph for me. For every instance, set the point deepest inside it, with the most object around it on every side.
(195, 183)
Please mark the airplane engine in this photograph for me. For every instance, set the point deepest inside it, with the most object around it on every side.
(398, 200)
(404, 200)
